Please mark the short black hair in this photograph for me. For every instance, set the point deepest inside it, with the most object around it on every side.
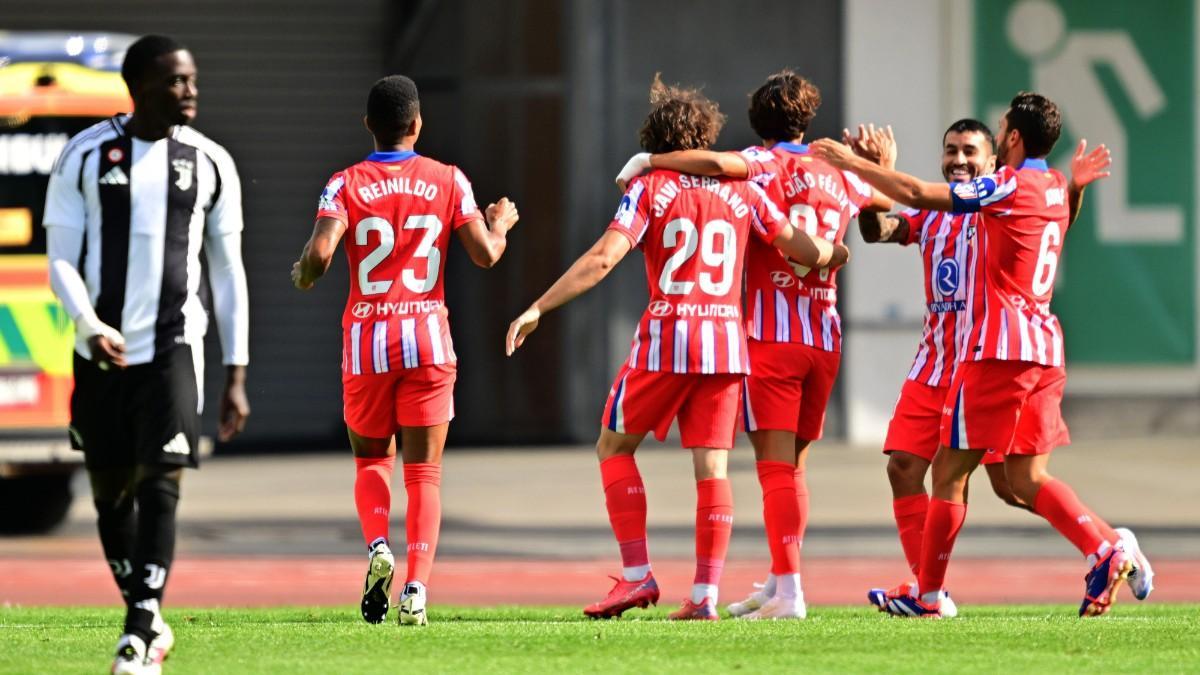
(392, 106)
(1039, 121)
(967, 125)
(141, 55)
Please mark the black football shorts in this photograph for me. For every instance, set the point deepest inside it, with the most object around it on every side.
(145, 414)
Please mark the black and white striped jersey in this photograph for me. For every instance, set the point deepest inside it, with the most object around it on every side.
(144, 208)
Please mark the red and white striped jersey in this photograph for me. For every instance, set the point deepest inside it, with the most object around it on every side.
(786, 301)
(1024, 217)
(947, 253)
(693, 232)
(399, 209)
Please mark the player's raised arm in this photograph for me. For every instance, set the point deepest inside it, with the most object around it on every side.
(318, 252)
(899, 186)
(589, 270)
(1086, 168)
(485, 242)
(692, 162)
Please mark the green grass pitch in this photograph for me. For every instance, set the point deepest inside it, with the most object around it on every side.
(1013, 639)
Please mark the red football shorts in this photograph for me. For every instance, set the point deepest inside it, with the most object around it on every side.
(916, 423)
(788, 387)
(642, 401)
(376, 405)
(1016, 405)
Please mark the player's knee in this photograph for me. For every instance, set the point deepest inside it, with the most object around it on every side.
(906, 472)
(111, 486)
(158, 491)
(1005, 492)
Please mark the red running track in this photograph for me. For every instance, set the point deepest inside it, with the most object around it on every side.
(263, 582)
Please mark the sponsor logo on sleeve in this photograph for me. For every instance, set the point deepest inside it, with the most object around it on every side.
(330, 193)
(628, 207)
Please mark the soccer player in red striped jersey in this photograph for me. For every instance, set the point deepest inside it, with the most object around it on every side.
(1007, 390)
(793, 324)
(398, 362)
(689, 356)
(946, 244)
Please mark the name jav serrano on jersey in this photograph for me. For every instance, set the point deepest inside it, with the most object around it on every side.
(672, 189)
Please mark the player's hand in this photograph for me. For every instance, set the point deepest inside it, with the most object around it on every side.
(298, 279)
(884, 143)
(841, 256)
(520, 328)
(502, 215)
(636, 166)
(235, 406)
(1087, 167)
(107, 350)
(861, 144)
(837, 154)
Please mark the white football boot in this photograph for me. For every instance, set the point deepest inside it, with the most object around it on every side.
(131, 658)
(1141, 579)
(779, 607)
(756, 599)
(949, 609)
(160, 647)
(377, 588)
(412, 605)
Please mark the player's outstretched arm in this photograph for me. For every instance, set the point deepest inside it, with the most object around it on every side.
(485, 242)
(692, 162)
(899, 186)
(810, 251)
(1086, 168)
(318, 252)
(589, 270)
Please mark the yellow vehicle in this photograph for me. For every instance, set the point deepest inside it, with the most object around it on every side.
(52, 86)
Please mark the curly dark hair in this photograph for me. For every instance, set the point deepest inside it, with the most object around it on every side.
(1037, 119)
(679, 119)
(782, 108)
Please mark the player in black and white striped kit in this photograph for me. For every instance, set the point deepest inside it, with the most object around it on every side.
(130, 204)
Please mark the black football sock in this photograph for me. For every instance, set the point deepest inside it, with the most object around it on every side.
(157, 497)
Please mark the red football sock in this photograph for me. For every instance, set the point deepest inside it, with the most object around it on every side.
(625, 498)
(802, 503)
(373, 495)
(1057, 503)
(781, 514)
(423, 519)
(714, 525)
(942, 523)
(910, 522)
(1102, 526)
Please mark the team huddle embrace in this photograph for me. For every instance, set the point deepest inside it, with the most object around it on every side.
(742, 252)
